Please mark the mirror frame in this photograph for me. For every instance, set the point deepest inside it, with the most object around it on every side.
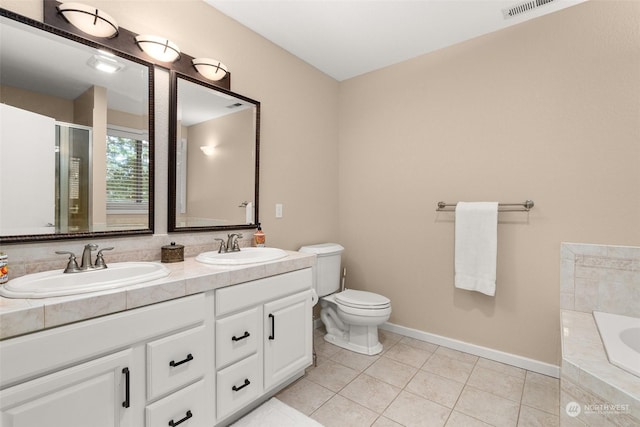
(173, 124)
(96, 234)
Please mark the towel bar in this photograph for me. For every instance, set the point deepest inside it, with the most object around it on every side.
(524, 206)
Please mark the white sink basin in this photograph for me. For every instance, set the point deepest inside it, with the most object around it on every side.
(245, 256)
(56, 283)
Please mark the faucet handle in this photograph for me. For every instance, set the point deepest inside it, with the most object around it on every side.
(100, 258)
(223, 246)
(72, 265)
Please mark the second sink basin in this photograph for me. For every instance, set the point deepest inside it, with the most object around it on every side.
(56, 283)
(245, 256)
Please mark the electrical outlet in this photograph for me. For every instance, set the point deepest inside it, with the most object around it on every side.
(278, 210)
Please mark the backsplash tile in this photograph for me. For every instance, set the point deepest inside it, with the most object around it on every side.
(600, 277)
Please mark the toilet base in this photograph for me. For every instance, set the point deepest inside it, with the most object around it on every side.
(364, 340)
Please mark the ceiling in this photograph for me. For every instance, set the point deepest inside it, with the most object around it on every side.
(347, 38)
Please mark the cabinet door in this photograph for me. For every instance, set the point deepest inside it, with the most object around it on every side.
(287, 337)
(92, 394)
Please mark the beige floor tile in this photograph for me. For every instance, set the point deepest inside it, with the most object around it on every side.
(497, 383)
(323, 348)
(455, 354)
(385, 422)
(370, 393)
(305, 396)
(340, 412)
(408, 355)
(423, 345)
(411, 410)
(392, 372)
(531, 417)
(353, 360)
(514, 371)
(488, 407)
(542, 392)
(331, 375)
(436, 388)
(458, 419)
(387, 338)
(445, 366)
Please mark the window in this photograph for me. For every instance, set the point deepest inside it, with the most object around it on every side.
(127, 171)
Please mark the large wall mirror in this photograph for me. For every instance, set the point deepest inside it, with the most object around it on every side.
(213, 157)
(76, 138)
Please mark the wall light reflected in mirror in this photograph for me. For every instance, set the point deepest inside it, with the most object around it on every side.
(89, 19)
(208, 150)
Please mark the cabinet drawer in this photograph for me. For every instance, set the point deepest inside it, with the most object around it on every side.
(238, 385)
(175, 361)
(185, 407)
(247, 295)
(237, 336)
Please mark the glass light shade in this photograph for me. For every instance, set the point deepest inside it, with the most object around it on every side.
(159, 48)
(211, 69)
(207, 150)
(89, 19)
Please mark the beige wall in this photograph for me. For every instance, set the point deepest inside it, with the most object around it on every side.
(547, 110)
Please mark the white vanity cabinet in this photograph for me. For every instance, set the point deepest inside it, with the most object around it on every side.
(263, 337)
(111, 371)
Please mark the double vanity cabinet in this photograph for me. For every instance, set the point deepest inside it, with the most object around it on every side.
(196, 361)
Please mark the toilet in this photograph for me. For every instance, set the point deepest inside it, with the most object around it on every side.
(351, 317)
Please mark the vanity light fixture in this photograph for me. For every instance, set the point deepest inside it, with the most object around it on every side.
(207, 150)
(211, 69)
(89, 19)
(159, 48)
(104, 63)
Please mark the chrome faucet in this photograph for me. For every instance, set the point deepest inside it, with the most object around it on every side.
(232, 242)
(86, 263)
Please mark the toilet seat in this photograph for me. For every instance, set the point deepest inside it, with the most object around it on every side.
(362, 300)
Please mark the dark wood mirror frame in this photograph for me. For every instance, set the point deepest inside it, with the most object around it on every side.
(173, 123)
(95, 44)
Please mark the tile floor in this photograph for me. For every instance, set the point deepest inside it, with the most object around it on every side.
(415, 383)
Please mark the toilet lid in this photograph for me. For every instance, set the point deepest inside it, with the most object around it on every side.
(362, 299)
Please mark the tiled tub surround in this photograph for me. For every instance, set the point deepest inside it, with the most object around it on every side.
(601, 278)
(22, 316)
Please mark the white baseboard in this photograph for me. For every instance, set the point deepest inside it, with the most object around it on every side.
(487, 353)
(477, 350)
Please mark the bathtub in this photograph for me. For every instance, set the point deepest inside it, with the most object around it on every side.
(621, 338)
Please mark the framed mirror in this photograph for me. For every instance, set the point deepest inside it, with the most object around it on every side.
(76, 137)
(214, 140)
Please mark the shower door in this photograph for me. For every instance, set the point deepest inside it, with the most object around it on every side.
(73, 178)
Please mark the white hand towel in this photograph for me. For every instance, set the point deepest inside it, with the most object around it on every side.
(249, 213)
(476, 246)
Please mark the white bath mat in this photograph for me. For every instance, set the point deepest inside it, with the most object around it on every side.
(274, 413)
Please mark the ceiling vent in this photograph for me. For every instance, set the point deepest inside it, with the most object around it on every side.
(525, 7)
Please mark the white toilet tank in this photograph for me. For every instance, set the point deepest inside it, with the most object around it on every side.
(327, 272)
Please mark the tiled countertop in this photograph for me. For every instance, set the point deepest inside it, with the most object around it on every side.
(584, 361)
(22, 316)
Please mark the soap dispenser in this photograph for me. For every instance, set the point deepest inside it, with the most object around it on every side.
(259, 237)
